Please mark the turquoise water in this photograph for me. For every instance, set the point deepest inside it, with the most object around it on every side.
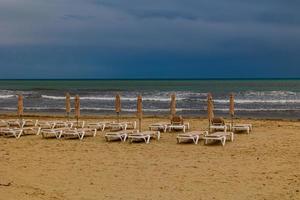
(254, 98)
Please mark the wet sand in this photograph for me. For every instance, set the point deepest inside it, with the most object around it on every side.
(262, 165)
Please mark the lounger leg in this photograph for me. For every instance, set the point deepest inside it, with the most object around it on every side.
(39, 130)
(197, 139)
(81, 137)
(223, 140)
(124, 138)
(178, 140)
(19, 135)
(148, 140)
(60, 134)
(158, 135)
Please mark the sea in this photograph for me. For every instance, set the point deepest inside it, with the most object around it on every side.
(254, 98)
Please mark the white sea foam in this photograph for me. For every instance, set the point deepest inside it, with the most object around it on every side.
(270, 93)
(249, 101)
(101, 98)
(158, 109)
(7, 96)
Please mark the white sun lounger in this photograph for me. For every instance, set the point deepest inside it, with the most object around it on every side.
(138, 137)
(218, 128)
(61, 124)
(119, 135)
(242, 127)
(3, 124)
(193, 136)
(47, 133)
(153, 134)
(88, 131)
(29, 123)
(15, 123)
(72, 134)
(44, 125)
(221, 136)
(177, 127)
(118, 126)
(75, 124)
(130, 125)
(159, 127)
(97, 125)
(11, 132)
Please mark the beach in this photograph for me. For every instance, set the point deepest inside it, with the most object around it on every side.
(261, 165)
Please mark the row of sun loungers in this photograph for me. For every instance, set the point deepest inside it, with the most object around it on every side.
(58, 129)
(118, 131)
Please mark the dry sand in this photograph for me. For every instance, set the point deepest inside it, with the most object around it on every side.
(262, 165)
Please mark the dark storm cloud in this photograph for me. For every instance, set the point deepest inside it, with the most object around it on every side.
(109, 37)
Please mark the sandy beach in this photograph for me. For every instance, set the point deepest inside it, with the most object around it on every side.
(262, 165)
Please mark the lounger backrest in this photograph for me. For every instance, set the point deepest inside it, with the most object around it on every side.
(177, 120)
(218, 121)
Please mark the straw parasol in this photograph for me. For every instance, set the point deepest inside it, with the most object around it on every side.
(77, 108)
(173, 105)
(118, 106)
(20, 105)
(210, 109)
(139, 111)
(231, 107)
(68, 105)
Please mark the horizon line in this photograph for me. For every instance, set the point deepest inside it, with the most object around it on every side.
(143, 79)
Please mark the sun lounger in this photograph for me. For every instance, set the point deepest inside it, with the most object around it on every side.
(11, 132)
(159, 127)
(61, 124)
(221, 136)
(88, 131)
(242, 127)
(176, 127)
(193, 136)
(218, 124)
(76, 124)
(29, 123)
(3, 124)
(177, 123)
(15, 123)
(153, 134)
(97, 125)
(44, 125)
(138, 137)
(117, 126)
(130, 125)
(47, 133)
(72, 134)
(119, 135)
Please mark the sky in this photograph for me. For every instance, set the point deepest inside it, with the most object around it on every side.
(149, 39)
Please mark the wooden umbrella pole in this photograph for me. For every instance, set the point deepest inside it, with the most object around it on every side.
(77, 109)
(231, 108)
(118, 106)
(68, 105)
(139, 111)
